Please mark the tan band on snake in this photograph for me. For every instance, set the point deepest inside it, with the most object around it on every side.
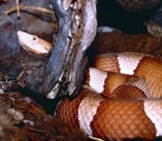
(124, 114)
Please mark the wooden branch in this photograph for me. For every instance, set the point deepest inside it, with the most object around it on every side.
(77, 28)
(27, 8)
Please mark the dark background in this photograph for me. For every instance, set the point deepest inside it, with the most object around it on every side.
(111, 13)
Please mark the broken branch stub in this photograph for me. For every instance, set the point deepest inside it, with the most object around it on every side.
(77, 28)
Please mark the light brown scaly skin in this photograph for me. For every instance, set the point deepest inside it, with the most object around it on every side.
(117, 85)
(149, 68)
(32, 43)
(103, 62)
(152, 74)
(115, 119)
(67, 112)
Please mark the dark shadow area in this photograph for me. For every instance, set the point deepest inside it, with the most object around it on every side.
(48, 104)
(111, 13)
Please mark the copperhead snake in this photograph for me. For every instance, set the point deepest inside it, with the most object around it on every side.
(132, 81)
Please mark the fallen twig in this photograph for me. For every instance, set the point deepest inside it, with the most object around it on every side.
(17, 8)
(24, 8)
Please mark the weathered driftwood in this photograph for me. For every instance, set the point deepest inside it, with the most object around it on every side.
(77, 28)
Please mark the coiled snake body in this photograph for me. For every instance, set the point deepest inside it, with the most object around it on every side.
(121, 97)
(122, 77)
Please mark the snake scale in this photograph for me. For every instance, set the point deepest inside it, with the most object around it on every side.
(121, 95)
(132, 81)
